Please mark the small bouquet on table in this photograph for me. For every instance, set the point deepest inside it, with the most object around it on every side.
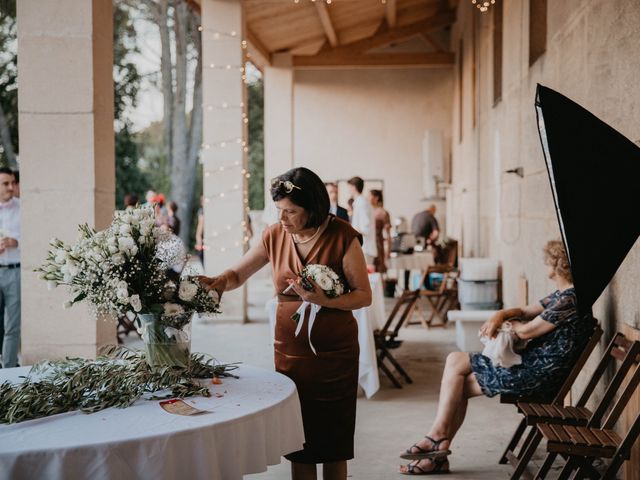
(329, 281)
(126, 270)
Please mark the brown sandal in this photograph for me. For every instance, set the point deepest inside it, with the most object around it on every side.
(422, 454)
(440, 466)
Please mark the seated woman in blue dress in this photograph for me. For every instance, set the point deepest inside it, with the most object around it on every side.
(556, 335)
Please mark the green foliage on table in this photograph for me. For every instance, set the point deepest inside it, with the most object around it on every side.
(118, 378)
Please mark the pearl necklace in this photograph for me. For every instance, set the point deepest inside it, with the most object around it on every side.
(297, 242)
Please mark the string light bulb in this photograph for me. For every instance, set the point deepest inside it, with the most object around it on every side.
(483, 5)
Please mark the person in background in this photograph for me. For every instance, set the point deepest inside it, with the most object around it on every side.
(10, 267)
(150, 196)
(200, 231)
(130, 201)
(160, 209)
(350, 208)
(424, 224)
(334, 208)
(172, 220)
(362, 219)
(16, 184)
(383, 229)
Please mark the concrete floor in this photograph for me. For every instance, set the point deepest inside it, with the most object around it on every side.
(394, 418)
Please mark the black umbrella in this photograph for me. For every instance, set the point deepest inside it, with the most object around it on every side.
(594, 173)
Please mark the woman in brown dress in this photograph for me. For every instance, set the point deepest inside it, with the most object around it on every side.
(327, 382)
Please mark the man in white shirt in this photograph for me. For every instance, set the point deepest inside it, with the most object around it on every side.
(363, 220)
(10, 267)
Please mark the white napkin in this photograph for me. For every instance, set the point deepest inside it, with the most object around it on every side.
(500, 348)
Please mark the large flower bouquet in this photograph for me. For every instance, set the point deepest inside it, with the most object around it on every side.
(124, 270)
(330, 283)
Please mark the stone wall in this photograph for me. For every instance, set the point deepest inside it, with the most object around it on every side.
(371, 123)
(591, 56)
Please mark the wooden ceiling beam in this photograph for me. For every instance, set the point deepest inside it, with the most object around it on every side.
(386, 36)
(391, 13)
(327, 26)
(429, 40)
(256, 51)
(434, 59)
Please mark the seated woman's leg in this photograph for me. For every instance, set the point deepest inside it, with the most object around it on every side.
(458, 385)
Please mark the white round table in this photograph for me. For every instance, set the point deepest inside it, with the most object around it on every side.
(254, 420)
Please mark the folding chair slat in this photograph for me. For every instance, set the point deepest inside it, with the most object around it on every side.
(589, 436)
(547, 432)
(556, 411)
(601, 436)
(539, 409)
(576, 438)
(550, 412)
(527, 409)
(560, 433)
(614, 438)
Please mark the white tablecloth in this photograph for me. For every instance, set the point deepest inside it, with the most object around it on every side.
(368, 318)
(254, 423)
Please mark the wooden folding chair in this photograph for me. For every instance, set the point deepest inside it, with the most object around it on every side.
(439, 299)
(509, 454)
(582, 445)
(620, 348)
(385, 338)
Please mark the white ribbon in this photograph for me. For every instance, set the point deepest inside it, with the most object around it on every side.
(312, 318)
(180, 335)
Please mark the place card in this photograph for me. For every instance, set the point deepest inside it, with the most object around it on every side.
(176, 406)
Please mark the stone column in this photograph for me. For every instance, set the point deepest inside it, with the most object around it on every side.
(224, 154)
(66, 159)
(278, 118)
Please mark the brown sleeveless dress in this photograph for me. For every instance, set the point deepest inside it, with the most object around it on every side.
(327, 383)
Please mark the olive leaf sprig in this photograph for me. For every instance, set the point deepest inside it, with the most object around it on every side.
(117, 378)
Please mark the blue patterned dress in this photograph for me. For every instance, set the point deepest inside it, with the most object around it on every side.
(547, 359)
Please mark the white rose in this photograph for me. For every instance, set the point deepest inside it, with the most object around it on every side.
(125, 229)
(126, 243)
(118, 259)
(324, 281)
(135, 303)
(112, 248)
(187, 291)
(172, 309)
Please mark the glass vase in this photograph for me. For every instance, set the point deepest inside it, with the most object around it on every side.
(164, 345)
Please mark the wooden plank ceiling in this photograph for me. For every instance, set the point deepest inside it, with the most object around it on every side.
(350, 33)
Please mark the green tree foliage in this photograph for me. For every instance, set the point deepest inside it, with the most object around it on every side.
(8, 81)
(130, 177)
(256, 144)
